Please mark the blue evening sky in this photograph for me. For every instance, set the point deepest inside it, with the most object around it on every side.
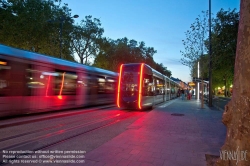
(159, 23)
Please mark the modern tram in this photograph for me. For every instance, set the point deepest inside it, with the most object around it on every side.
(140, 86)
(31, 82)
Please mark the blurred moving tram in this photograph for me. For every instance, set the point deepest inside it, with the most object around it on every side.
(31, 82)
(140, 86)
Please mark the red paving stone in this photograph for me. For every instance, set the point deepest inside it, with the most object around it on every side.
(160, 139)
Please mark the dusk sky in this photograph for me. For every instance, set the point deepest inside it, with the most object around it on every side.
(159, 23)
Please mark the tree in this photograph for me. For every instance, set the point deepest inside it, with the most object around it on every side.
(115, 52)
(23, 22)
(160, 68)
(194, 44)
(25, 25)
(85, 38)
(203, 61)
(236, 116)
(148, 55)
(224, 41)
(224, 37)
(107, 48)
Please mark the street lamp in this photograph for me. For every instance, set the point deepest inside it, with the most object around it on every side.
(61, 27)
(210, 59)
(198, 87)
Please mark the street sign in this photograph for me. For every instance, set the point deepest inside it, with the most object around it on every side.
(191, 84)
(195, 79)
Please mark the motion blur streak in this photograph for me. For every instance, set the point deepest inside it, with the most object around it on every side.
(60, 95)
(47, 87)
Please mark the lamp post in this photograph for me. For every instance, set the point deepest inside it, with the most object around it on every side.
(210, 59)
(198, 87)
(61, 28)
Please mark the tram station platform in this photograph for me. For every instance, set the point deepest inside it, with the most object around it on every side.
(175, 133)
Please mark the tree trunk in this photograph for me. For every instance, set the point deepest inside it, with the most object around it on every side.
(225, 85)
(236, 116)
(86, 60)
(81, 60)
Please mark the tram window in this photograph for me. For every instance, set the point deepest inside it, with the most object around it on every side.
(159, 86)
(12, 78)
(130, 81)
(132, 68)
(82, 81)
(92, 84)
(36, 81)
(148, 87)
(41, 81)
(110, 85)
(65, 83)
(172, 88)
(5, 75)
(106, 85)
(101, 84)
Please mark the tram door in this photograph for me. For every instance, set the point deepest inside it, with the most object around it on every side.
(148, 90)
(81, 89)
(159, 89)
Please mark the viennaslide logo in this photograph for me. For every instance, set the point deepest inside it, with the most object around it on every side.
(238, 155)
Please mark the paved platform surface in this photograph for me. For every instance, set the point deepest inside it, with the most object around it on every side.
(161, 139)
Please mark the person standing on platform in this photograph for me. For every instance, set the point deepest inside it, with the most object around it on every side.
(189, 95)
(179, 93)
(187, 92)
(182, 94)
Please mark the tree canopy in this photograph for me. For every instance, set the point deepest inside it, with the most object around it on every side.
(47, 27)
(113, 53)
(194, 44)
(35, 25)
(223, 41)
(85, 38)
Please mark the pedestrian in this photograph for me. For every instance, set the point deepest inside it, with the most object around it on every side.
(187, 92)
(179, 93)
(182, 94)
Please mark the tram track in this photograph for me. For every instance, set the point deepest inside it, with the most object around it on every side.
(59, 132)
(60, 115)
(109, 121)
(50, 128)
